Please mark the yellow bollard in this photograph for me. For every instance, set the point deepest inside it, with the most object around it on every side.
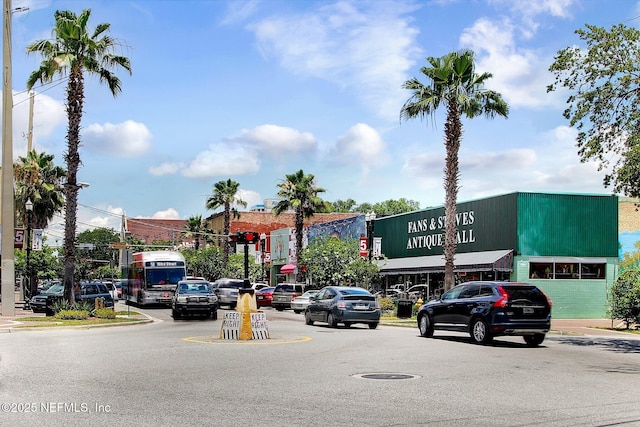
(246, 305)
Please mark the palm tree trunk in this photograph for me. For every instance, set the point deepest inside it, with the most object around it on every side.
(227, 226)
(453, 134)
(75, 101)
(299, 229)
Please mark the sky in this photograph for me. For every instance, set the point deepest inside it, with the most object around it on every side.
(258, 89)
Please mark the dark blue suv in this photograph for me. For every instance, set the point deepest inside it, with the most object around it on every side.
(489, 309)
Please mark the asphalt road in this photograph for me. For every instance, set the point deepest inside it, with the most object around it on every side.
(179, 373)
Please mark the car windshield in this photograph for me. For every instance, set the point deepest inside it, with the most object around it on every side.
(54, 289)
(309, 294)
(202, 288)
(232, 284)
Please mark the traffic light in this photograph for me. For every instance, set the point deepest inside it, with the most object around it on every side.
(244, 237)
(251, 237)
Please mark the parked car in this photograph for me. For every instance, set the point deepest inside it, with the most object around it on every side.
(38, 303)
(298, 304)
(227, 291)
(343, 304)
(90, 291)
(283, 293)
(112, 290)
(417, 292)
(264, 296)
(194, 297)
(489, 309)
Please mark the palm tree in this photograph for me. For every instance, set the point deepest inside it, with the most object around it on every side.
(225, 193)
(38, 180)
(194, 227)
(452, 81)
(75, 51)
(300, 193)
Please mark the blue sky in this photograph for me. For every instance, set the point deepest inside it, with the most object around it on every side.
(254, 90)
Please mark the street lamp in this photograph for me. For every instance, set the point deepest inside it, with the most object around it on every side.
(370, 218)
(28, 206)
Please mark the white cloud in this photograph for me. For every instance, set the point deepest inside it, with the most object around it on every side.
(362, 145)
(531, 10)
(223, 160)
(518, 74)
(251, 197)
(166, 214)
(276, 141)
(166, 169)
(128, 139)
(367, 47)
(48, 115)
(242, 154)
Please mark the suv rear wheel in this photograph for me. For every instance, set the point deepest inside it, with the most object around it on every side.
(479, 331)
(534, 340)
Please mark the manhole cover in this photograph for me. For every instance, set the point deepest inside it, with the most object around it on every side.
(387, 376)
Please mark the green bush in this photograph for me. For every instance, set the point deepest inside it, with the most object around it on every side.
(386, 304)
(61, 305)
(72, 315)
(87, 306)
(624, 298)
(105, 313)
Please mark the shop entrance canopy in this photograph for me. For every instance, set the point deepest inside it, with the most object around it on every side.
(501, 260)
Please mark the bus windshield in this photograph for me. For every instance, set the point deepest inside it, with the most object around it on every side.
(164, 276)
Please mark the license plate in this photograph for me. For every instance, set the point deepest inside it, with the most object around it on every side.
(166, 295)
(361, 307)
(527, 310)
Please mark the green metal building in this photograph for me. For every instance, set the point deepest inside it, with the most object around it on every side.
(567, 244)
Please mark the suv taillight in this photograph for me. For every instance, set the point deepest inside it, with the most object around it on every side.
(293, 297)
(504, 298)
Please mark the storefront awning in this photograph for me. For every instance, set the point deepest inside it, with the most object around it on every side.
(501, 260)
(287, 268)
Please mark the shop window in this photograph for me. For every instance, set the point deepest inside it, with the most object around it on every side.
(592, 271)
(567, 270)
(541, 270)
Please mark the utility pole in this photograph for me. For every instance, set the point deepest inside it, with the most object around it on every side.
(6, 195)
(30, 134)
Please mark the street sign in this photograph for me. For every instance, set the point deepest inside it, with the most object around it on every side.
(86, 246)
(363, 247)
(20, 238)
(118, 245)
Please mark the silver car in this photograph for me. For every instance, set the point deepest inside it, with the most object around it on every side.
(298, 304)
(227, 291)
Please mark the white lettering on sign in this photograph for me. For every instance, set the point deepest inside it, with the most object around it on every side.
(431, 229)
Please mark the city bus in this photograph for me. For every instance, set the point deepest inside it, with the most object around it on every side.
(152, 277)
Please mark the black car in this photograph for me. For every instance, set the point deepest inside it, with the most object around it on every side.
(194, 297)
(489, 309)
(38, 303)
(343, 304)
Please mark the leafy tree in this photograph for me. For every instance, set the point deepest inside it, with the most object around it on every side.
(394, 207)
(624, 298)
(452, 81)
(45, 264)
(101, 239)
(364, 208)
(194, 228)
(299, 192)
(225, 194)
(343, 206)
(604, 85)
(235, 268)
(630, 261)
(38, 180)
(332, 261)
(205, 263)
(75, 51)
